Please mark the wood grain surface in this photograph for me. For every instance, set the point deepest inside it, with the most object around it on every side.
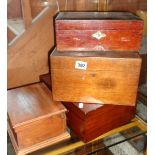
(46, 78)
(126, 5)
(10, 35)
(33, 115)
(26, 10)
(88, 123)
(110, 77)
(14, 9)
(32, 148)
(28, 54)
(76, 31)
(31, 103)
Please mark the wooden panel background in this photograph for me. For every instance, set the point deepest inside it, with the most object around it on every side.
(14, 9)
(28, 55)
(82, 5)
(102, 5)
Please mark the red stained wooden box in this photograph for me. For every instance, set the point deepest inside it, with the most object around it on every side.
(95, 77)
(93, 120)
(106, 31)
(33, 116)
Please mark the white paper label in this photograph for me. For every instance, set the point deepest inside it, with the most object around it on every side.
(81, 65)
(80, 105)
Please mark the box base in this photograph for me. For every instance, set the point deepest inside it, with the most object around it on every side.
(38, 146)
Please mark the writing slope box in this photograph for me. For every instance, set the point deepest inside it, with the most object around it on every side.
(33, 116)
(95, 77)
(92, 120)
(96, 31)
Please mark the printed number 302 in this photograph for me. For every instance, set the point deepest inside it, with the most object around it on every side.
(81, 65)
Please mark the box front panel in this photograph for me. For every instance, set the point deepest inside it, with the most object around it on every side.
(41, 130)
(97, 121)
(97, 40)
(111, 81)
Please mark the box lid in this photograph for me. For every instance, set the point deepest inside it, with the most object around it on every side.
(92, 109)
(96, 15)
(85, 110)
(31, 103)
(98, 20)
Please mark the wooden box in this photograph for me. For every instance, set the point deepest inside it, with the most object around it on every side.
(93, 120)
(33, 117)
(95, 31)
(95, 77)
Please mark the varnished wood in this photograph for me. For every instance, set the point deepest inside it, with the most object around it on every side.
(46, 78)
(32, 106)
(143, 72)
(38, 5)
(10, 35)
(14, 9)
(26, 10)
(122, 5)
(38, 146)
(126, 5)
(81, 5)
(28, 54)
(93, 120)
(74, 31)
(110, 77)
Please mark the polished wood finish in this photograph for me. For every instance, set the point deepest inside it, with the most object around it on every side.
(106, 31)
(26, 9)
(46, 78)
(80, 5)
(143, 72)
(37, 146)
(122, 5)
(110, 77)
(28, 54)
(102, 5)
(126, 5)
(93, 120)
(10, 35)
(14, 9)
(33, 115)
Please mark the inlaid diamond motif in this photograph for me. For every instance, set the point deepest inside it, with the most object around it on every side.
(98, 35)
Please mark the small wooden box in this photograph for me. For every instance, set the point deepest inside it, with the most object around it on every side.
(33, 116)
(93, 120)
(95, 31)
(95, 77)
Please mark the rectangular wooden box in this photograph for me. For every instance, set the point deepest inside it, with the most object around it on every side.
(33, 116)
(93, 120)
(95, 31)
(105, 77)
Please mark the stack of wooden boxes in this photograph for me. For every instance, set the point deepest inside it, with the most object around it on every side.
(95, 69)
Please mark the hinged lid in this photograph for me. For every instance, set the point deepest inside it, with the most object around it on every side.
(92, 109)
(87, 108)
(98, 20)
(31, 103)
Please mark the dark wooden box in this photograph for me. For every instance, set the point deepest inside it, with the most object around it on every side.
(93, 120)
(33, 116)
(95, 31)
(95, 77)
